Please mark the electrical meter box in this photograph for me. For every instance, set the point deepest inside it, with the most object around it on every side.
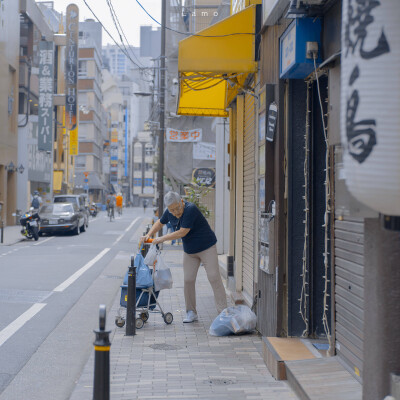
(293, 61)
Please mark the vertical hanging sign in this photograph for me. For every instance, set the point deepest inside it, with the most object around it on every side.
(46, 89)
(370, 90)
(71, 77)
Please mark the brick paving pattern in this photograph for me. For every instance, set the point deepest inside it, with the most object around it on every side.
(182, 361)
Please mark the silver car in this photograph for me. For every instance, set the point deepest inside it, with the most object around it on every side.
(61, 217)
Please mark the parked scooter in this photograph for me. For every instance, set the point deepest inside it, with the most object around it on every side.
(93, 210)
(30, 222)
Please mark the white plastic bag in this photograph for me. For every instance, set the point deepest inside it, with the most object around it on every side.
(234, 320)
(162, 276)
(151, 255)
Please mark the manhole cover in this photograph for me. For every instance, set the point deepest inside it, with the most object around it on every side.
(219, 381)
(164, 346)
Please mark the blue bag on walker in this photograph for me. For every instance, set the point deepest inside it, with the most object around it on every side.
(144, 278)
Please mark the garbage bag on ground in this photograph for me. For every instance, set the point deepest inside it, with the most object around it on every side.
(144, 278)
(233, 320)
(162, 276)
(151, 255)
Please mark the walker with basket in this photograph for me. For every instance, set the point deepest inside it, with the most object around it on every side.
(146, 290)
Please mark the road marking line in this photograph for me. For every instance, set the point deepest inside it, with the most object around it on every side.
(126, 230)
(43, 241)
(12, 328)
(133, 223)
(77, 274)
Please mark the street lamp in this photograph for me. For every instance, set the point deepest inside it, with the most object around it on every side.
(10, 167)
(21, 169)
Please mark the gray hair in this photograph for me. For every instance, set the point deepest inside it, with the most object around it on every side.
(172, 198)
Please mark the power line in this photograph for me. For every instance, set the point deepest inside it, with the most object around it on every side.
(109, 34)
(192, 34)
(121, 30)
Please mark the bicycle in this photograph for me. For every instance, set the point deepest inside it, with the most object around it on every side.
(111, 213)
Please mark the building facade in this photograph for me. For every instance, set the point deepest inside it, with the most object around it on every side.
(9, 76)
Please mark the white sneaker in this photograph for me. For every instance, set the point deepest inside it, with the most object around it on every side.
(191, 316)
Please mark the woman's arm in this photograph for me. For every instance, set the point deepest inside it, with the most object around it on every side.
(172, 236)
(153, 230)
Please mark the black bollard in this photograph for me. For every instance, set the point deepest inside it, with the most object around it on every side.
(101, 385)
(131, 302)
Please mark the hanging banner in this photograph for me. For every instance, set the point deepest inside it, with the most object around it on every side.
(370, 103)
(73, 142)
(46, 90)
(204, 151)
(174, 135)
(71, 67)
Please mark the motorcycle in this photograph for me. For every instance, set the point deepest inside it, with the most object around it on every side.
(30, 222)
(93, 210)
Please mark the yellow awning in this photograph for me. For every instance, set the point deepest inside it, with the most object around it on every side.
(226, 52)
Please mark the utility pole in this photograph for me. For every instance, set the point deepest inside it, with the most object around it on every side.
(160, 177)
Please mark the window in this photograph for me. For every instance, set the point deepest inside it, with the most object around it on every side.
(82, 68)
(137, 182)
(148, 182)
(80, 161)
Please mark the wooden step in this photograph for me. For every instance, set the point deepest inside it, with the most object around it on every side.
(278, 350)
(322, 379)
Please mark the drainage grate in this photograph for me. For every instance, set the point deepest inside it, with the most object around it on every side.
(219, 381)
(164, 346)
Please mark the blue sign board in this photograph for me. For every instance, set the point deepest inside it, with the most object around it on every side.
(294, 63)
(86, 187)
(86, 180)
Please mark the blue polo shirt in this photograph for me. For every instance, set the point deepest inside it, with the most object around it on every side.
(200, 237)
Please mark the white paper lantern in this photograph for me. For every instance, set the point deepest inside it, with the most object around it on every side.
(370, 102)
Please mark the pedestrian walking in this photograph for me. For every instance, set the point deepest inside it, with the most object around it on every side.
(199, 246)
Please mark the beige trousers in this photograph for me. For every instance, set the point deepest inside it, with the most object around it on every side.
(191, 264)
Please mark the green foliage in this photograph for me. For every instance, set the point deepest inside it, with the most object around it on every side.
(195, 193)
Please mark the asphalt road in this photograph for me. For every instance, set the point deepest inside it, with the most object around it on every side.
(50, 292)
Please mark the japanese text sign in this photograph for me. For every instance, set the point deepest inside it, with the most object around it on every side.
(46, 84)
(193, 135)
(71, 67)
(370, 90)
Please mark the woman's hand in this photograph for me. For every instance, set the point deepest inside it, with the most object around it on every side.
(144, 239)
(158, 240)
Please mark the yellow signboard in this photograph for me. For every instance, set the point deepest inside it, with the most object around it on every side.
(114, 137)
(73, 142)
(57, 181)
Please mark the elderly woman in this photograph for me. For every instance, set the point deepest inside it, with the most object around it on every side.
(198, 245)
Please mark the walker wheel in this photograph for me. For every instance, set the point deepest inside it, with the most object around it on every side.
(120, 322)
(168, 318)
(139, 323)
(144, 316)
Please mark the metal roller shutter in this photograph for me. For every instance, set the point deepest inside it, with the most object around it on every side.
(249, 190)
(349, 291)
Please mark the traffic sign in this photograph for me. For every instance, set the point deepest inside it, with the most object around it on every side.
(86, 187)
(86, 174)
(86, 180)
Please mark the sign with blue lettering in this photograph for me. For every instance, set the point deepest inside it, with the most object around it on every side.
(294, 63)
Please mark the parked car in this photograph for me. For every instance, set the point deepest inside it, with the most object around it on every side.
(61, 217)
(79, 200)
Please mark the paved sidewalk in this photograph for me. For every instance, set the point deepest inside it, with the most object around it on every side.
(182, 361)
(11, 235)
